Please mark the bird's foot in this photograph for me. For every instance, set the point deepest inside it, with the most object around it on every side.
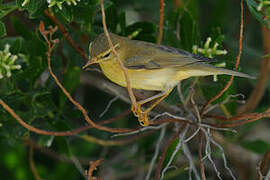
(142, 116)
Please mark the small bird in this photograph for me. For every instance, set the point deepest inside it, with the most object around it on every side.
(150, 67)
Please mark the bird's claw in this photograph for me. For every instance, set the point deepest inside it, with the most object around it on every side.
(142, 116)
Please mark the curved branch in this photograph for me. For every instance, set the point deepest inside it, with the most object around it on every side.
(66, 35)
(262, 80)
(236, 63)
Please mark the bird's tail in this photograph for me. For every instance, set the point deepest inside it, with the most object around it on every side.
(200, 69)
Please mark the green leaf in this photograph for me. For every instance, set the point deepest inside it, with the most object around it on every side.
(146, 31)
(122, 21)
(34, 7)
(71, 80)
(211, 89)
(189, 32)
(46, 141)
(252, 5)
(65, 13)
(111, 18)
(257, 146)
(16, 46)
(2, 29)
(20, 28)
(62, 145)
(7, 8)
(170, 151)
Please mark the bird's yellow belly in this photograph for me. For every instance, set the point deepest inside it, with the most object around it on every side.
(159, 79)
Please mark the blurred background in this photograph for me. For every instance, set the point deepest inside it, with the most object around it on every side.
(28, 88)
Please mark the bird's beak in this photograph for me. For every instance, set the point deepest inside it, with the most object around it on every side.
(90, 62)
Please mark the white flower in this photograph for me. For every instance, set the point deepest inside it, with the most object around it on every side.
(7, 62)
(59, 3)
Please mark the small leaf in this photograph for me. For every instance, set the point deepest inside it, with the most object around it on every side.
(20, 28)
(170, 151)
(252, 5)
(2, 29)
(257, 146)
(46, 141)
(16, 46)
(71, 80)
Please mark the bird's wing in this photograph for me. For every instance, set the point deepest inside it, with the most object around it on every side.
(164, 57)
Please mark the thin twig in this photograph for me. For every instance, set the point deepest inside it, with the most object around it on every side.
(245, 121)
(164, 151)
(51, 44)
(31, 128)
(261, 85)
(93, 166)
(130, 92)
(52, 154)
(179, 19)
(53, 133)
(192, 167)
(161, 21)
(236, 63)
(140, 130)
(157, 148)
(225, 163)
(265, 164)
(200, 155)
(181, 138)
(32, 163)
(113, 142)
(79, 50)
(78, 165)
(108, 106)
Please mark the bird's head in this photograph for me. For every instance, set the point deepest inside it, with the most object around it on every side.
(100, 51)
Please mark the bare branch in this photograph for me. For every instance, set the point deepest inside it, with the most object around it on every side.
(161, 21)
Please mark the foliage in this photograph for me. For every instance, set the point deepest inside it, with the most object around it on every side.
(28, 88)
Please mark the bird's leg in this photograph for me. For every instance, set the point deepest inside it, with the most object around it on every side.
(143, 115)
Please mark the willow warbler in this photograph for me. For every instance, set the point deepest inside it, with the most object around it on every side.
(150, 67)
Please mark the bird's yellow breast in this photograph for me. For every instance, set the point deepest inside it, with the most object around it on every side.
(157, 79)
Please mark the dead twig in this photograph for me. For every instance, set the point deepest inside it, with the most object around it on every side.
(93, 166)
(63, 30)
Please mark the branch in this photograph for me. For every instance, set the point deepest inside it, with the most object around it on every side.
(236, 63)
(161, 21)
(51, 44)
(265, 164)
(79, 50)
(52, 133)
(93, 166)
(32, 163)
(130, 92)
(164, 151)
(245, 119)
(52, 154)
(200, 155)
(261, 85)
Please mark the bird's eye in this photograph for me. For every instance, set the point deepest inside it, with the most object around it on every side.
(107, 55)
